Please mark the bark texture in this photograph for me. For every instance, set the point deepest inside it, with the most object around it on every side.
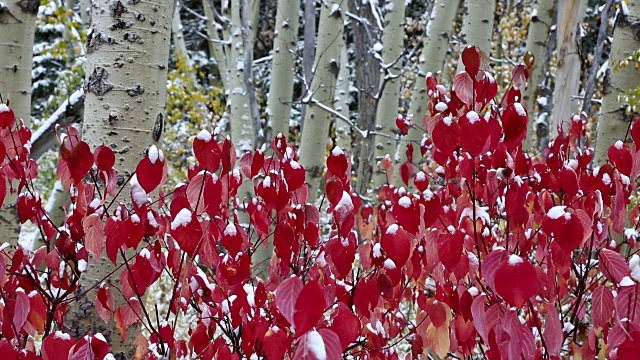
(387, 111)
(536, 45)
(327, 62)
(365, 34)
(570, 13)
(342, 129)
(614, 121)
(434, 51)
(127, 56)
(284, 53)
(17, 28)
(477, 26)
(308, 49)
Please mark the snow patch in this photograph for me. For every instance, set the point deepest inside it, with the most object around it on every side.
(230, 230)
(204, 135)
(392, 229)
(514, 260)
(626, 281)
(153, 154)
(447, 121)
(376, 251)
(634, 265)
(389, 264)
(4, 108)
(619, 145)
(556, 211)
(316, 345)
(440, 107)
(519, 109)
(183, 218)
(473, 117)
(405, 202)
(337, 151)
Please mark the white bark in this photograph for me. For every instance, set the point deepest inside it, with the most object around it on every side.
(614, 121)
(284, 53)
(536, 45)
(317, 121)
(342, 129)
(127, 56)
(178, 34)
(387, 111)
(477, 26)
(434, 51)
(309, 48)
(17, 28)
(570, 13)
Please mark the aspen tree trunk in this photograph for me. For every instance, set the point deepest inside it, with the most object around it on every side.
(178, 34)
(570, 13)
(284, 53)
(127, 56)
(308, 49)
(536, 44)
(216, 42)
(366, 33)
(434, 51)
(477, 26)
(17, 29)
(342, 129)
(314, 136)
(614, 121)
(387, 111)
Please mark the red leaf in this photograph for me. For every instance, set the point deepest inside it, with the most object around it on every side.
(450, 249)
(476, 129)
(446, 135)
(463, 86)
(421, 181)
(471, 59)
(613, 265)
(366, 296)
(94, 237)
(21, 310)
(113, 230)
(620, 155)
(127, 315)
(276, 343)
(515, 280)
(185, 228)
(150, 169)
(521, 342)
(79, 160)
(323, 344)
(337, 162)
(104, 158)
(601, 307)
(480, 317)
(56, 346)
(207, 151)
(406, 172)
(514, 123)
(345, 324)
(627, 303)
(7, 117)
(309, 307)
(396, 244)
(334, 191)
(553, 334)
(294, 174)
(287, 295)
(564, 225)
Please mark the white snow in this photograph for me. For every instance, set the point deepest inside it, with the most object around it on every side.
(100, 337)
(377, 47)
(345, 203)
(634, 265)
(473, 117)
(606, 179)
(316, 345)
(145, 253)
(204, 135)
(266, 182)
(337, 151)
(376, 251)
(135, 219)
(405, 202)
(183, 218)
(514, 260)
(250, 294)
(421, 176)
(556, 211)
(619, 145)
(568, 327)
(138, 195)
(4, 108)
(392, 229)
(230, 230)
(153, 154)
(440, 107)
(626, 281)
(389, 264)
(447, 121)
(473, 291)
(60, 335)
(82, 265)
(519, 109)
(294, 164)
(473, 259)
